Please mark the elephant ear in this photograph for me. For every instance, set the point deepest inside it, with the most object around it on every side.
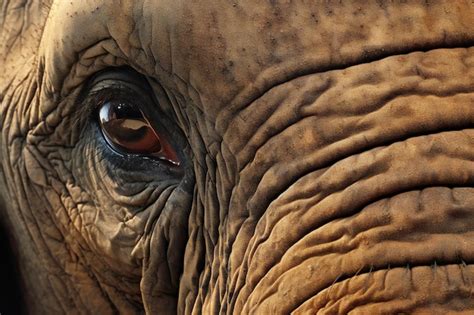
(21, 27)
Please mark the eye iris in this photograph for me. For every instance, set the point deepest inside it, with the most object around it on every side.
(125, 127)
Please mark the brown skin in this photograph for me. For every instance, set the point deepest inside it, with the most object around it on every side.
(326, 157)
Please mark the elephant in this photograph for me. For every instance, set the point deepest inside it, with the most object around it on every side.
(237, 157)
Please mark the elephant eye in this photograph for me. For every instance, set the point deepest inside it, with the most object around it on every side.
(126, 129)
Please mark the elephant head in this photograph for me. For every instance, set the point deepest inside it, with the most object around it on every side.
(230, 157)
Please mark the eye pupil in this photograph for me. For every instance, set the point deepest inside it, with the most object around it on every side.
(126, 129)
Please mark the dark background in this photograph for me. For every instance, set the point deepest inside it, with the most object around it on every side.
(10, 293)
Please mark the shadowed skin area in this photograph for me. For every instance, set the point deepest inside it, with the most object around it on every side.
(326, 153)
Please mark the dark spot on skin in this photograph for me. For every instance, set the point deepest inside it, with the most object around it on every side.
(401, 111)
(382, 4)
(273, 41)
(273, 3)
(370, 78)
(359, 11)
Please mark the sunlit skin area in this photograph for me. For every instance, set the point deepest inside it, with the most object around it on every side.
(236, 157)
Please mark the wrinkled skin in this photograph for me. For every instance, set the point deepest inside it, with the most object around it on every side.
(326, 157)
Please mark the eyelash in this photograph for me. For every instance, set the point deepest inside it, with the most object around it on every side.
(97, 98)
(88, 106)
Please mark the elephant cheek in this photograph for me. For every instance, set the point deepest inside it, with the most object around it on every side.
(158, 291)
(163, 244)
(377, 208)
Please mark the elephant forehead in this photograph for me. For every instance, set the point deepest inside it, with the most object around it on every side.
(232, 51)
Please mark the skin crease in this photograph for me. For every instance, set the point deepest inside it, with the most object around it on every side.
(326, 153)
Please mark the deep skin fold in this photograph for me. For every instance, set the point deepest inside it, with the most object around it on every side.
(375, 99)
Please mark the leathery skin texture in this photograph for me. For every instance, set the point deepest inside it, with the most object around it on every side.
(326, 157)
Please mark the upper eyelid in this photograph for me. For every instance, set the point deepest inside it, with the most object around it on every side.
(114, 91)
(92, 97)
(125, 75)
(119, 79)
(113, 84)
(116, 84)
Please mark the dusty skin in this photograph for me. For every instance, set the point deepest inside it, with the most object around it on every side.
(308, 156)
